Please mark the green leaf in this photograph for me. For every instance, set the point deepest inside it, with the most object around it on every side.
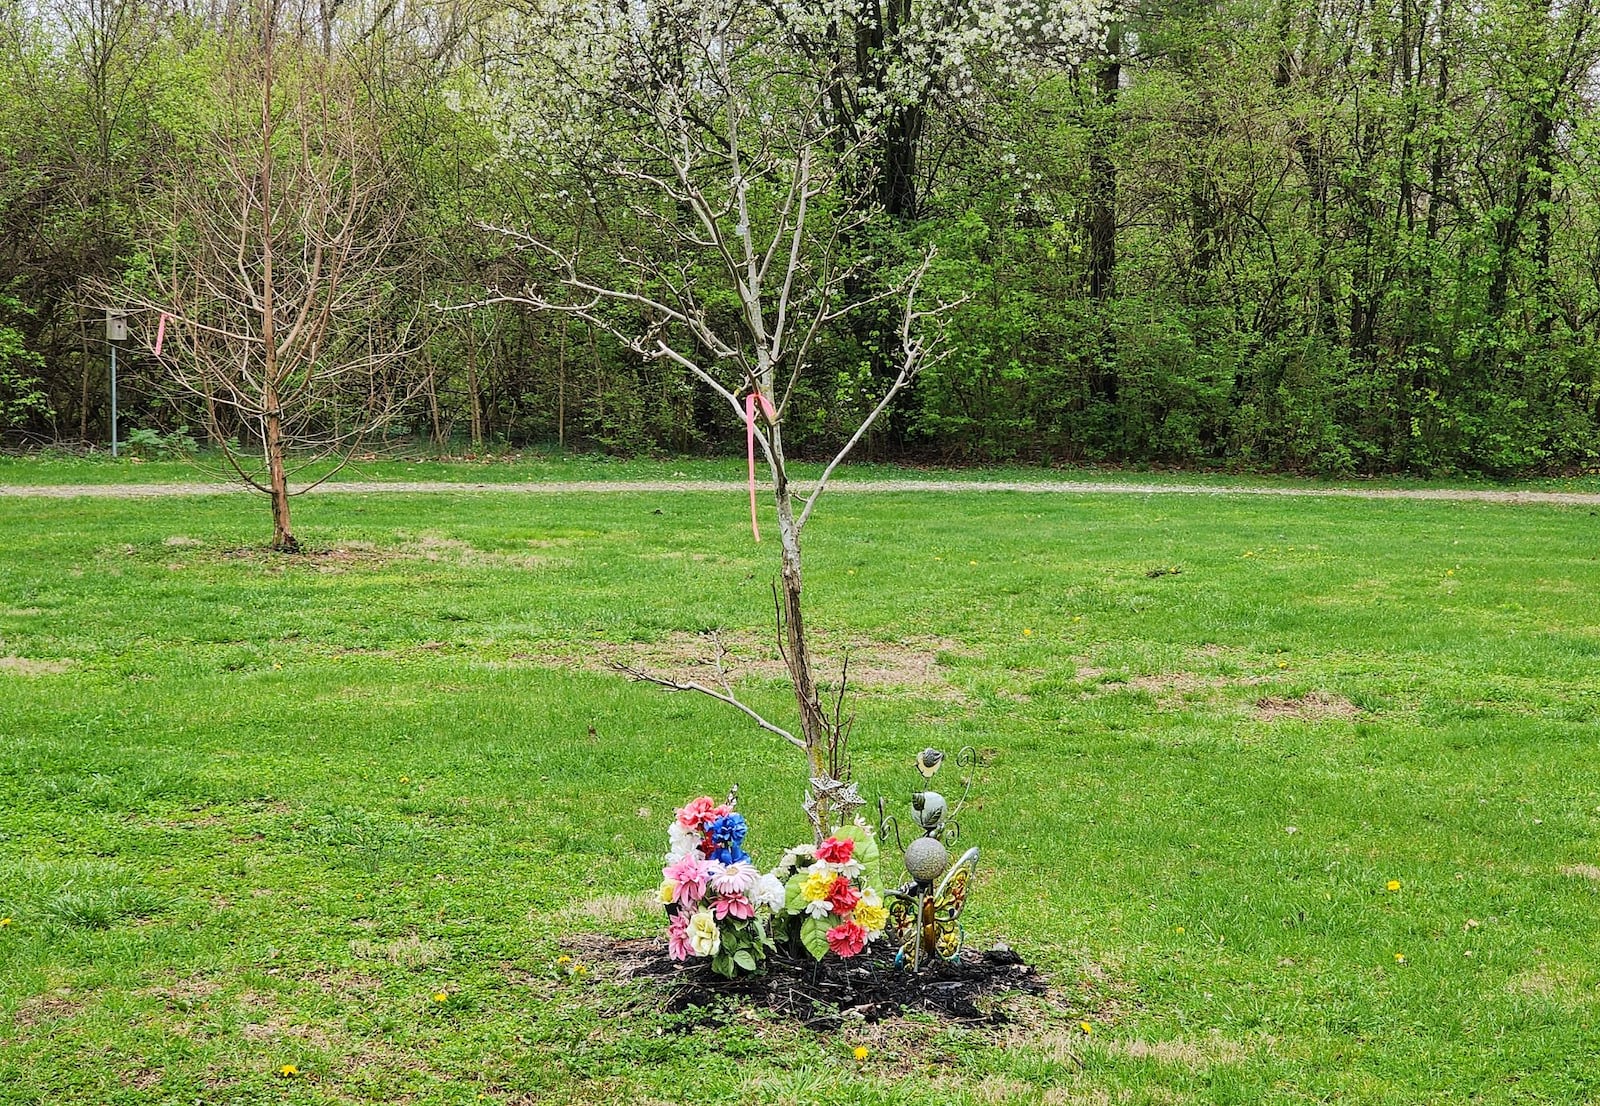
(866, 851)
(794, 898)
(744, 959)
(722, 964)
(814, 936)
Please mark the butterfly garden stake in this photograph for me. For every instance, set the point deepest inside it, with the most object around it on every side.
(925, 913)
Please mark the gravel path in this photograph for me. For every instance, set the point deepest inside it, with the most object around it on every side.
(1055, 487)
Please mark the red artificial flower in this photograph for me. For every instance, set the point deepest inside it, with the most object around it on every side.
(843, 895)
(847, 939)
(694, 814)
(836, 850)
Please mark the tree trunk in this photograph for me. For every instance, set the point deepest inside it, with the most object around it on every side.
(433, 407)
(1103, 382)
(283, 539)
(1103, 173)
(472, 383)
(797, 653)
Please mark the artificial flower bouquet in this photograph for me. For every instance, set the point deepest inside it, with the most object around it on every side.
(828, 904)
(721, 906)
(718, 902)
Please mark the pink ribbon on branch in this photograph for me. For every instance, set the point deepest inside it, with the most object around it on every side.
(161, 332)
(751, 399)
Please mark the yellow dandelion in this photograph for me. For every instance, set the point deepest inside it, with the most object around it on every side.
(1180, 929)
(1393, 885)
(580, 970)
(972, 562)
(1399, 958)
(561, 960)
(862, 1052)
(1077, 618)
(288, 1071)
(441, 996)
(4, 922)
(405, 779)
(1027, 633)
(1283, 664)
(1449, 572)
(1086, 1027)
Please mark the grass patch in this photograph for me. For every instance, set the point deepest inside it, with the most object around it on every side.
(260, 811)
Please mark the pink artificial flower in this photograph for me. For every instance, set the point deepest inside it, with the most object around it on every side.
(690, 874)
(836, 850)
(692, 815)
(678, 936)
(847, 939)
(735, 878)
(843, 895)
(733, 906)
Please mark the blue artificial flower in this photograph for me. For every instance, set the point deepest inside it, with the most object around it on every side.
(729, 854)
(728, 830)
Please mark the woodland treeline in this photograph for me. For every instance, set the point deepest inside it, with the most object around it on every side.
(1342, 236)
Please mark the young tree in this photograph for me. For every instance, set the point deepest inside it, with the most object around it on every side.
(270, 293)
(712, 174)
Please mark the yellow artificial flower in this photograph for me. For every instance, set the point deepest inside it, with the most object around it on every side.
(669, 891)
(1393, 885)
(817, 886)
(704, 936)
(871, 918)
(862, 1052)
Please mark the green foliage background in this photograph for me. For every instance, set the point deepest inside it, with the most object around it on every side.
(1354, 238)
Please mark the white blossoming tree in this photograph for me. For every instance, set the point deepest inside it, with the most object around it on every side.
(695, 144)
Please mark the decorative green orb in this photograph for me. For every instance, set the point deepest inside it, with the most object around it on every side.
(926, 859)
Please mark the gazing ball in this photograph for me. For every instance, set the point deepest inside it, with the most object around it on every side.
(926, 859)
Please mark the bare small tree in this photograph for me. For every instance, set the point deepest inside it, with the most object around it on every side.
(270, 293)
(703, 133)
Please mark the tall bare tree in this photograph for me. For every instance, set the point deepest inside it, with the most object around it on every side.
(712, 144)
(271, 291)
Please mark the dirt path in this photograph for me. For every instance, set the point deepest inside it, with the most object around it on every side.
(846, 487)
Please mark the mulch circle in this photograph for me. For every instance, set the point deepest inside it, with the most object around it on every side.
(823, 994)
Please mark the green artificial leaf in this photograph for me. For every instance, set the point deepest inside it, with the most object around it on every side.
(814, 936)
(794, 897)
(722, 964)
(744, 959)
(866, 851)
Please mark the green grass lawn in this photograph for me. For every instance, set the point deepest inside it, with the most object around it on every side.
(258, 811)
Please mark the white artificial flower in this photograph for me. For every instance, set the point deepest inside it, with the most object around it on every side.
(819, 909)
(769, 892)
(681, 842)
(792, 859)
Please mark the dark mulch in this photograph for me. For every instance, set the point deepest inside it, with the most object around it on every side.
(822, 995)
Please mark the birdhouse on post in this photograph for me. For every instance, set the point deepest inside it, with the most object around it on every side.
(116, 325)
